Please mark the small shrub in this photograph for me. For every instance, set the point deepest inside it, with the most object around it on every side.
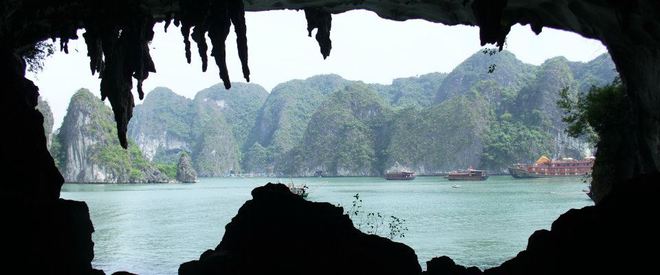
(375, 222)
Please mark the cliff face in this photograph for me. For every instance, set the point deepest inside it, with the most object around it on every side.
(89, 149)
(161, 125)
(283, 118)
(432, 123)
(212, 127)
(341, 138)
(444, 137)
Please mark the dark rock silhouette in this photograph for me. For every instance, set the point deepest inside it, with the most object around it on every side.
(47, 237)
(184, 170)
(42, 234)
(278, 232)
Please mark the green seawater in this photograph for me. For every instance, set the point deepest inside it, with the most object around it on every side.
(152, 229)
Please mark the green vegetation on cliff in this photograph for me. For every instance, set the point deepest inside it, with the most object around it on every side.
(432, 123)
(283, 118)
(341, 138)
(212, 128)
(89, 150)
(440, 138)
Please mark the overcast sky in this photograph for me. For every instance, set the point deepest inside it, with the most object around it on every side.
(364, 47)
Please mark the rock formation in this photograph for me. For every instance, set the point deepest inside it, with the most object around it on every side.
(42, 234)
(212, 127)
(184, 171)
(44, 109)
(161, 125)
(278, 232)
(90, 153)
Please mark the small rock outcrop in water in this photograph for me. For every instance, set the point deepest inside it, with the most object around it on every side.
(184, 170)
(278, 232)
(89, 151)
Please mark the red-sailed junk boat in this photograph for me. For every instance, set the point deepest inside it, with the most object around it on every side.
(545, 167)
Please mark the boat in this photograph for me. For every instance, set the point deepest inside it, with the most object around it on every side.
(400, 175)
(544, 167)
(298, 190)
(469, 174)
(398, 172)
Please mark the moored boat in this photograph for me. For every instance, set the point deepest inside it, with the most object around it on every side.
(398, 172)
(545, 167)
(400, 175)
(469, 174)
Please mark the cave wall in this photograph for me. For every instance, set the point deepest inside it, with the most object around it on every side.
(41, 233)
(117, 36)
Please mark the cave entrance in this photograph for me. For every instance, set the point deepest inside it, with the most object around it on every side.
(124, 239)
(51, 235)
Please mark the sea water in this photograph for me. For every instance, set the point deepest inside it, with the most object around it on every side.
(153, 228)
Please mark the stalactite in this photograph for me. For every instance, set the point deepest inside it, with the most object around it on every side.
(191, 15)
(216, 18)
(125, 47)
(321, 20)
(219, 23)
(94, 49)
(116, 81)
(237, 15)
(198, 35)
(488, 14)
(168, 21)
(185, 32)
(141, 59)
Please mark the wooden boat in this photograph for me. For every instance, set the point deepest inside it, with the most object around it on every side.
(398, 172)
(400, 175)
(545, 167)
(469, 174)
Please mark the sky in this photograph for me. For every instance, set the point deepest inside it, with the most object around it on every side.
(364, 47)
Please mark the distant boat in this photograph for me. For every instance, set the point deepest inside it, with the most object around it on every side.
(545, 167)
(469, 174)
(399, 173)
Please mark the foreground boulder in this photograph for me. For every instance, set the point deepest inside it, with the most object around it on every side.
(278, 232)
(47, 237)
